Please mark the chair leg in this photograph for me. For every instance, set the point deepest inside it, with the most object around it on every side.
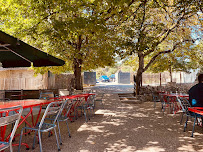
(40, 141)
(21, 134)
(34, 140)
(57, 139)
(68, 129)
(193, 129)
(59, 133)
(164, 107)
(185, 126)
(11, 148)
(181, 118)
(85, 115)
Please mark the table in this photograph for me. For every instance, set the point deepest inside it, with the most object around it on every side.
(198, 112)
(30, 103)
(75, 103)
(171, 98)
(25, 104)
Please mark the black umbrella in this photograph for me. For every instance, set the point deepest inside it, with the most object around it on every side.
(16, 53)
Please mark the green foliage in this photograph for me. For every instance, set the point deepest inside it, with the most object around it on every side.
(70, 30)
(91, 32)
(156, 28)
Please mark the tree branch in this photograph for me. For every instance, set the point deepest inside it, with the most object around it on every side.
(110, 10)
(46, 17)
(167, 51)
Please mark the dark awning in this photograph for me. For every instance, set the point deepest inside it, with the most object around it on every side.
(16, 53)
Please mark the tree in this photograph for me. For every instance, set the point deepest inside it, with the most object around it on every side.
(74, 31)
(153, 28)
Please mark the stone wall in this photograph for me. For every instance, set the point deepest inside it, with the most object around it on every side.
(64, 81)
(146, 91)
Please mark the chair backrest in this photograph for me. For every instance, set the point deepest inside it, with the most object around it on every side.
(155, 96)
(54, 108)
(46, 95)
(91, 100)
(67, 106)
(184, 103)
(12, 115)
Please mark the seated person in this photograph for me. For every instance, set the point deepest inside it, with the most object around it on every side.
(196, 93)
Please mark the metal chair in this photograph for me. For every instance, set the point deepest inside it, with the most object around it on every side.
(54, 108)
(12, 115)
(87, 105)
(155, 98)
(165, 102)
(184, 103)
(63, 117)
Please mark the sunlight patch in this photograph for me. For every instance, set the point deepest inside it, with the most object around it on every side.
(121, 146)
(186, 148)
(151, 149)
(115, 123)
(86, 127)
(139, 115)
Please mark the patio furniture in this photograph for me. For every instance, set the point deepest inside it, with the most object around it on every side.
(84, 106)
(63, 117)
(155, 98)
(170, 99)
(194, 112)
(54, 108)
(184, 103)
(12, 115)
(165, 102)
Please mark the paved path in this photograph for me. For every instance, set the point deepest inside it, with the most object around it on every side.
(120, 127)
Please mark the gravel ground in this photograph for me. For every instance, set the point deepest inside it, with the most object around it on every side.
(120, 127)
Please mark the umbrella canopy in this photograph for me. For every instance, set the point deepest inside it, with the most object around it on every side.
(16, 53)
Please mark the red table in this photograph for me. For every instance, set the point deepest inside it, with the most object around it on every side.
(76, 103)
(30, 103)
(172, 100)
(25, 104)
(197, 111)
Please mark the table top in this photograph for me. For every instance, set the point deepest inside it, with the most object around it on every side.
(175, 94)
(37, 102)
(74, 96)
(198, 110)
(25, 103)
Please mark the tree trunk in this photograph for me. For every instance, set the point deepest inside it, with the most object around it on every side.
(77, 66)
(160, 79)
(170, 71)
(134, 78)
(78, 77)
(139, 73)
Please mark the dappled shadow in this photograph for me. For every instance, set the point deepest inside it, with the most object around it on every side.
(136, 128)
(123, 127)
